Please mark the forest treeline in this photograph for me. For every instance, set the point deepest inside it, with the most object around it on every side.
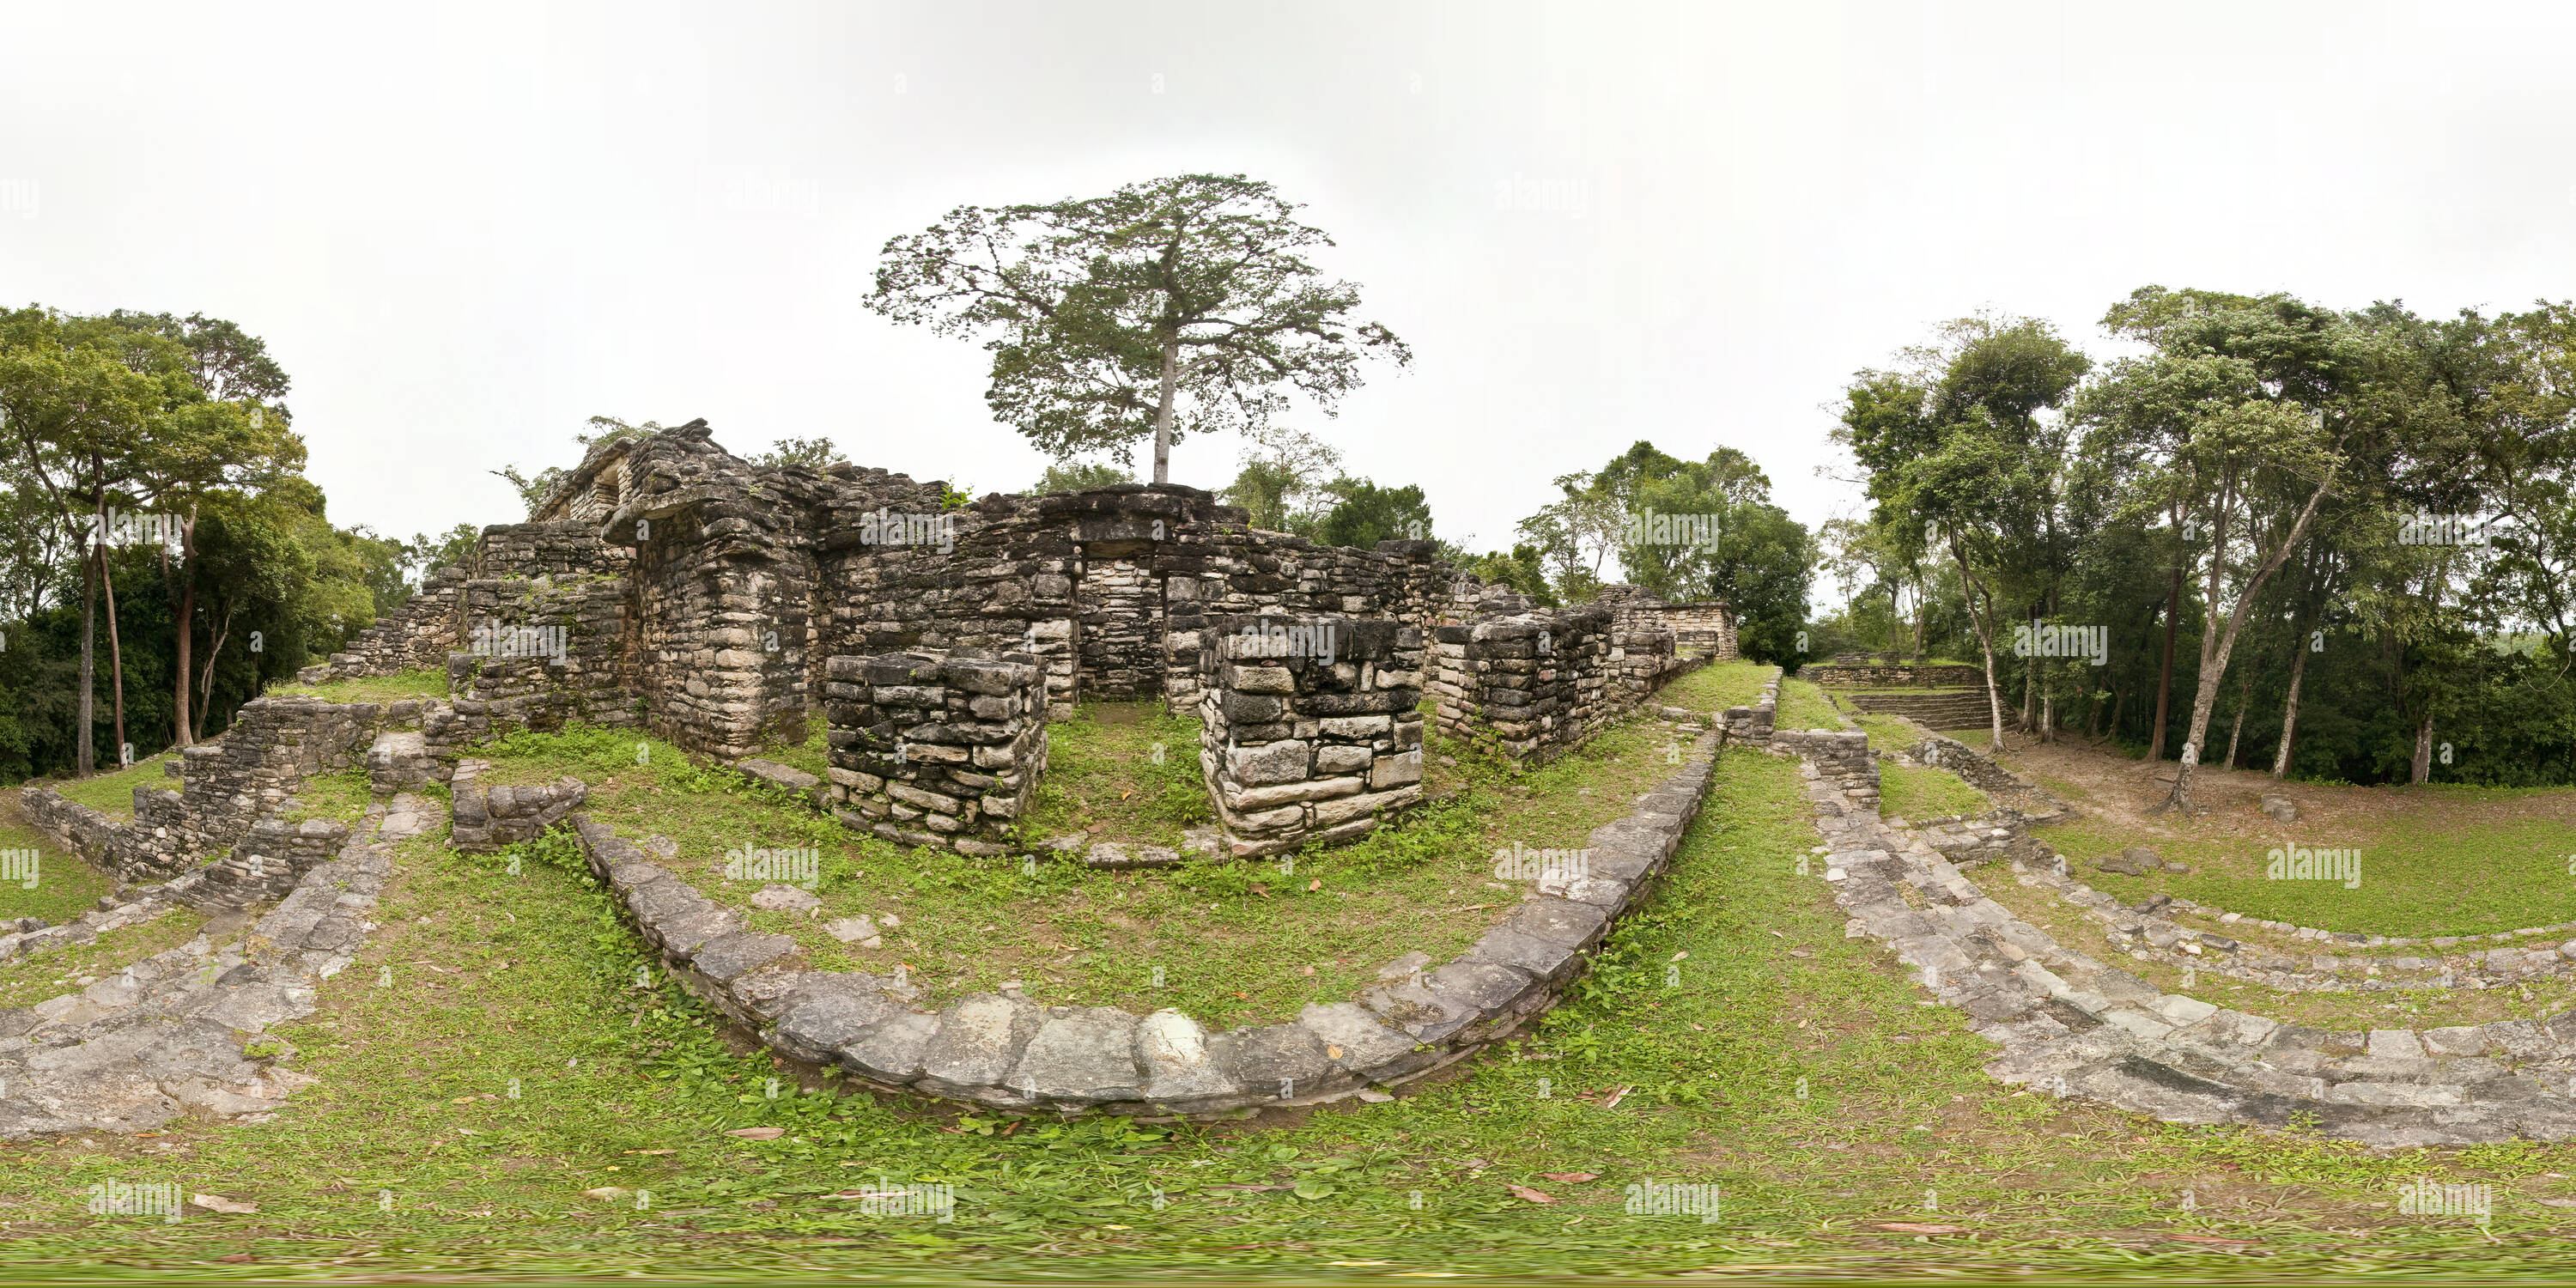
(2332, 544)
(162, 556)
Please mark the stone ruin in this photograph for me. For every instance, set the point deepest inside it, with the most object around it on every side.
(669, 585)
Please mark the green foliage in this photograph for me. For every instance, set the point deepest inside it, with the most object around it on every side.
(810, 453)
(1078, 476)
(1176, 306)
(1365, 514)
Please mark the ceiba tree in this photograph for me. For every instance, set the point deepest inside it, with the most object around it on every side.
(1170, 307)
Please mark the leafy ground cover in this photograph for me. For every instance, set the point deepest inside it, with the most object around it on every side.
(514, 1103)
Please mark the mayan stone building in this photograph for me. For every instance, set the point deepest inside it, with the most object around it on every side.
(667, 584)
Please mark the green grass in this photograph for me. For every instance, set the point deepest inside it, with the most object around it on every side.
(1123, 771)
(1919, 792)
(342, 796)
(1235, 942)
(1716, 686)
(2426, 870)
(373, 688)
(1803, 706)
(29, 980)
(809, 755)
(412, 1157)
(65, 884)
(113, 793)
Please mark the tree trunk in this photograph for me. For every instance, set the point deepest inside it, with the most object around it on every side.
(115, 652)
(2424, 748)
(1985, 642)
(1163, 412)
(214, 649)
(2244, 693)
(85, 753)
(2215, 646)
(2290, 706)
(185, 730)
(2164, 680)
(2029, 681)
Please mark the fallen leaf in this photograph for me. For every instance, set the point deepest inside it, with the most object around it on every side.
(1528, 1195)
(2211, 1238)
(218, 1203)
(652, 1151)
(1917, 1227)
(1318, 884)
(758, 1133)
(606, 1192)
(1617, 1096)
(1572, 1178)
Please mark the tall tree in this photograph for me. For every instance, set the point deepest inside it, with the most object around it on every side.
(1170, 307)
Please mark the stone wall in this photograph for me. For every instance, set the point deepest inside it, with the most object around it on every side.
(268, 863)
(937, 749)
(1309, 732)
(1883, 676)
(1535, 685)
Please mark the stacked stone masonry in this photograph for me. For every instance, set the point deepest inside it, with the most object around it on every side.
(1309, 727)
(936, 749)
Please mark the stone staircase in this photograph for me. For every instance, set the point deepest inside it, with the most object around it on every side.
(1933, 709)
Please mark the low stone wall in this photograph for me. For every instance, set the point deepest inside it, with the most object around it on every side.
(1842, 755)
(226, 785)
(483, 819)
(936, 749)
(1308, 727)
(268, 863)
(1535, 686)
(1010, 1052)
(1894, 676)
(1756, 722)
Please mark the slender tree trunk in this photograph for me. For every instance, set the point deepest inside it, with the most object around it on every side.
(214, 649)
(1163, 412)
(2424, 748)
(2030, 679)
(2164, 679)
(115, 653)
(2290, 711)
(2214, 651)
(2244, 693)
(1985, 642)
(85, 753)
(185, 731)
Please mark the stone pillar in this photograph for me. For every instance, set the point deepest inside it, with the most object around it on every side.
(936, 748)
(1533, 685)
(1309, 727)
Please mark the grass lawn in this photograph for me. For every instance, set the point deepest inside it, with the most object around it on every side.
(1716, 686)
(1919, 792)
(2450, 861)
(1124, 771)
(372, 688)
(28, 980)
(515, 1105)
(1804, 706)
(66, 886)
(1235, 942)
(113, 793)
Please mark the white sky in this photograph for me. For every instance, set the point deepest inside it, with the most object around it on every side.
(465, 228)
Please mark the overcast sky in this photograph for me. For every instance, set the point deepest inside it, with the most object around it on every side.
(464, 229)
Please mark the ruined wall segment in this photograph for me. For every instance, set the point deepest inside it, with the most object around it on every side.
(1309, 727)
(936, 748)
